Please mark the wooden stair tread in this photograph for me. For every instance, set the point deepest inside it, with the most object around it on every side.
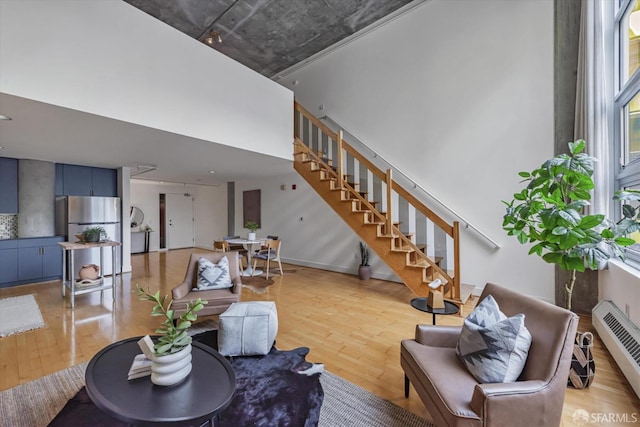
(403, 249)
(403, 255)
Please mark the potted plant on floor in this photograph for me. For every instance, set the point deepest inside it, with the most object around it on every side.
(173, 346)
(364, 270)
(549, 212)
(252, 227)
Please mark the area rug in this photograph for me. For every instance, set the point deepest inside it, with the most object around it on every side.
(257, 284)
(271, 390)
(36, 403)
(19, 314)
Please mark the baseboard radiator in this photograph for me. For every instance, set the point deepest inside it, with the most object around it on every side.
(622, 339)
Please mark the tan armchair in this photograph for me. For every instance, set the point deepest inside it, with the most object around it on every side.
(219, 299)
(454, 398)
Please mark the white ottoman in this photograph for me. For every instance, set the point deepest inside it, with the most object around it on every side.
(248, 328)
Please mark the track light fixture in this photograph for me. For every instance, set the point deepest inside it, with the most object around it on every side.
(213, 37)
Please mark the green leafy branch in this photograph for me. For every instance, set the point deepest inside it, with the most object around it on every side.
(173, 334)
(549, 212)
(251, 226)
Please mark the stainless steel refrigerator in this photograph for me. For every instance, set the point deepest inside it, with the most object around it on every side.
(76, 213)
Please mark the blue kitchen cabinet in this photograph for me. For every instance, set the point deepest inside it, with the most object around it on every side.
(29, 263)
(52, 259)
(76, 180)
(88, 181)
(8, 262)
(39, 259)
(8, 185)
(104, 182)
(59, 179)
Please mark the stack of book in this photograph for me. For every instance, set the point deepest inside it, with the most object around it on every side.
(141, 367)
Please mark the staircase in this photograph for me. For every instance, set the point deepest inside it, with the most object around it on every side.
(418, 245)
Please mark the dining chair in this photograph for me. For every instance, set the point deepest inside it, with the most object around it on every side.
(263, 247)
(223, 246)
(270, 253)
(238, 248)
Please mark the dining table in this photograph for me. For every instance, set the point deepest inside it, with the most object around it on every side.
(248, 245)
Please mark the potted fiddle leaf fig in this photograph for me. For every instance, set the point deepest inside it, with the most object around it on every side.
(549, 214)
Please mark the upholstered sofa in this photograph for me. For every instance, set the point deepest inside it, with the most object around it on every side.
(452, 395)
(218, 299)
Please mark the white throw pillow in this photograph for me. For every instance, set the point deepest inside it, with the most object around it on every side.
(494, 348)
(213, 276)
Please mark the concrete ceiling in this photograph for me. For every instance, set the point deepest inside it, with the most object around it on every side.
(268, 36)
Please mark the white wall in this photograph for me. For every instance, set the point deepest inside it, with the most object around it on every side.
(312, 233)
(210, 209)
(459, 95)
(108, 58)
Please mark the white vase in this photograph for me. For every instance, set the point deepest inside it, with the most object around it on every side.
(172, 368)
(251, 236)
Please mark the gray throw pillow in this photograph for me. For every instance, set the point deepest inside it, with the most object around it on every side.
(494, 348)
(213, 276)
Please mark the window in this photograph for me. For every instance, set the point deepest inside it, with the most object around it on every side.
(626, 147)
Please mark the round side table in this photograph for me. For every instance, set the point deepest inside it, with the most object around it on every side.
(421, 304)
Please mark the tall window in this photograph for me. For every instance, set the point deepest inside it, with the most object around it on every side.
(626, 148)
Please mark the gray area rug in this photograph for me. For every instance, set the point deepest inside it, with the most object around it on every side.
(345, 404)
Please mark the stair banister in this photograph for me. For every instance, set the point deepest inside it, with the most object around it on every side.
(467, 224)
(456, 259)
(389, 181)
(306, 127)
(340, 162)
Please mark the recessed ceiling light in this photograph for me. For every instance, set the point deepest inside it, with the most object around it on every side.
(1, 147)
(212, 171)
(4, 117)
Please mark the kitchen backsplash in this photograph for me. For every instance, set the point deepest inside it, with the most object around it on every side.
(8, 226)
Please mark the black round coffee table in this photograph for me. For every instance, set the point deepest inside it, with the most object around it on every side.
(421, 304)
(200, 397)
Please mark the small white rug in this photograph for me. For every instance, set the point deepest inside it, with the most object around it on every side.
(19, 314)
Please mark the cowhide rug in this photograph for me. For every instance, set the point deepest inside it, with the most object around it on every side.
(271, 390)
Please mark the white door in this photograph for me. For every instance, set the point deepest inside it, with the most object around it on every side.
(179, 221)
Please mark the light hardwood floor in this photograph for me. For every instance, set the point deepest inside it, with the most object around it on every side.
(354, 327)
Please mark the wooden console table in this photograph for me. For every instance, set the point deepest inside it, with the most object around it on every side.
(69, 282)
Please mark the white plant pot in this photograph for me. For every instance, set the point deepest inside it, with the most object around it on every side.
(251, 236)
(172, 368)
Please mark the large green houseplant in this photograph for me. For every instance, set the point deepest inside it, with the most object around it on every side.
(549, 213)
